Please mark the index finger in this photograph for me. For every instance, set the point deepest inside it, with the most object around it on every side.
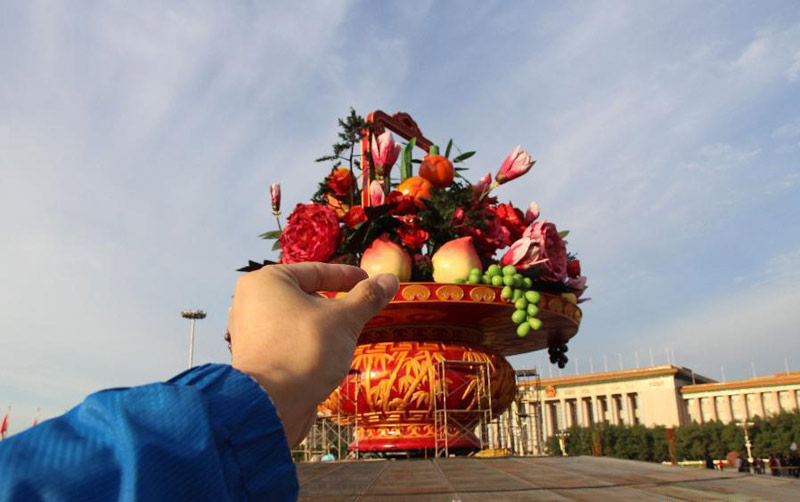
(312, 277)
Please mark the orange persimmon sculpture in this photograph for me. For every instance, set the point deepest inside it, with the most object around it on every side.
(417, 187)
(437, 169)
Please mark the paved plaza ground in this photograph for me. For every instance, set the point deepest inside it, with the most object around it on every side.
(528, 478)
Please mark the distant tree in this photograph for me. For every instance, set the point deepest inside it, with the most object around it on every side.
(771, 435)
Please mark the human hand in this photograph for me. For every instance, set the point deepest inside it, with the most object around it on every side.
(296, 344)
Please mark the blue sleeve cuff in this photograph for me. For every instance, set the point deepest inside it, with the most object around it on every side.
(244, 418)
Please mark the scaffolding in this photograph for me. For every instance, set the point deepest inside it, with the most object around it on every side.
(451, 423)
(527, 432)
(332, 433)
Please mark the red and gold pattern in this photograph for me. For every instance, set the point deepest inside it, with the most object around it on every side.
(448, 312)
(410, 437)
(394, 394)
(391, 387)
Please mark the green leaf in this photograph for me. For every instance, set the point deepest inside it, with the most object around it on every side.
(563, 234)
(449, 147)
(276, 246)
(405, 166)
(272, 234)
(379, 221)
(464, 156)
(416, 161)
(457, 169)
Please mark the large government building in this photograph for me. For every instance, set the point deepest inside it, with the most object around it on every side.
(661, 395)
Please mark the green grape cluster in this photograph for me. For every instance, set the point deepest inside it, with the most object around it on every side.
(516, 290)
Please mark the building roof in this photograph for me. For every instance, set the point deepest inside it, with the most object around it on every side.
(793, 377)
(679, 372)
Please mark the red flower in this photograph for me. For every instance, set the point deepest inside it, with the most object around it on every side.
(574, 268)
(404, 203)
(341, 181)
(422, 263)
(512, 219)
(411, 235)
(311, 234)
(354, 216)
(495, 234)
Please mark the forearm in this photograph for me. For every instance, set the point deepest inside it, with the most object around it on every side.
(208, 434)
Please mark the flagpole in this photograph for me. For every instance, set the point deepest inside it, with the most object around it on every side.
(4, 426)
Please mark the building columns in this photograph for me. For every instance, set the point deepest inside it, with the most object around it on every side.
(613, 405)
(698, 410)
(713, 402)
(745, 407)
(629, 406)
(585, 410)
(598, 409)
(729, 407)
(760, 404)
(776, 401)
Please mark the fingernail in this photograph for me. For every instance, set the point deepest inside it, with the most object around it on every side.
(389, 283)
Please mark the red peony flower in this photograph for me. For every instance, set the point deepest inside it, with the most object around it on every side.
(354, 216)
(574, 268)
(411, 235)
(341, 181)
(512, 219)
(311, 234)
(404, 203)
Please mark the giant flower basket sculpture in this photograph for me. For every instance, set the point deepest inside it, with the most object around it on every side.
(457, 306)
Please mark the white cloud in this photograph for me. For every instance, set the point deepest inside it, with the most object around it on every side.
(752, 322)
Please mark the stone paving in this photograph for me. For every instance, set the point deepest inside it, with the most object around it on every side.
(531, 478)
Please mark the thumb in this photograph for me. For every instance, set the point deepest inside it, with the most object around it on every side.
(368, 297)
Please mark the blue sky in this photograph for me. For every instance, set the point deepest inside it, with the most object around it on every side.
(138, 140)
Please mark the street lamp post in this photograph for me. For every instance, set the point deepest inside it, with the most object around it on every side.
(747, 443)
(562, 442)
(193, 316)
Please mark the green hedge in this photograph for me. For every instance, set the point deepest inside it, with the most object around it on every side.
(772, 435)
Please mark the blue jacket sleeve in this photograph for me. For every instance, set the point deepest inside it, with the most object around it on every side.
(211, 433)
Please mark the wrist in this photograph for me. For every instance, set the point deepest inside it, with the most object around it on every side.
(293, 411)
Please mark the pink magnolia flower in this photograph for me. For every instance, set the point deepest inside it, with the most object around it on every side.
(516, 164)
(482, 186)
(275, 195)
(532, 213)
(384, 153)
(376, 195)
(523, 254)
